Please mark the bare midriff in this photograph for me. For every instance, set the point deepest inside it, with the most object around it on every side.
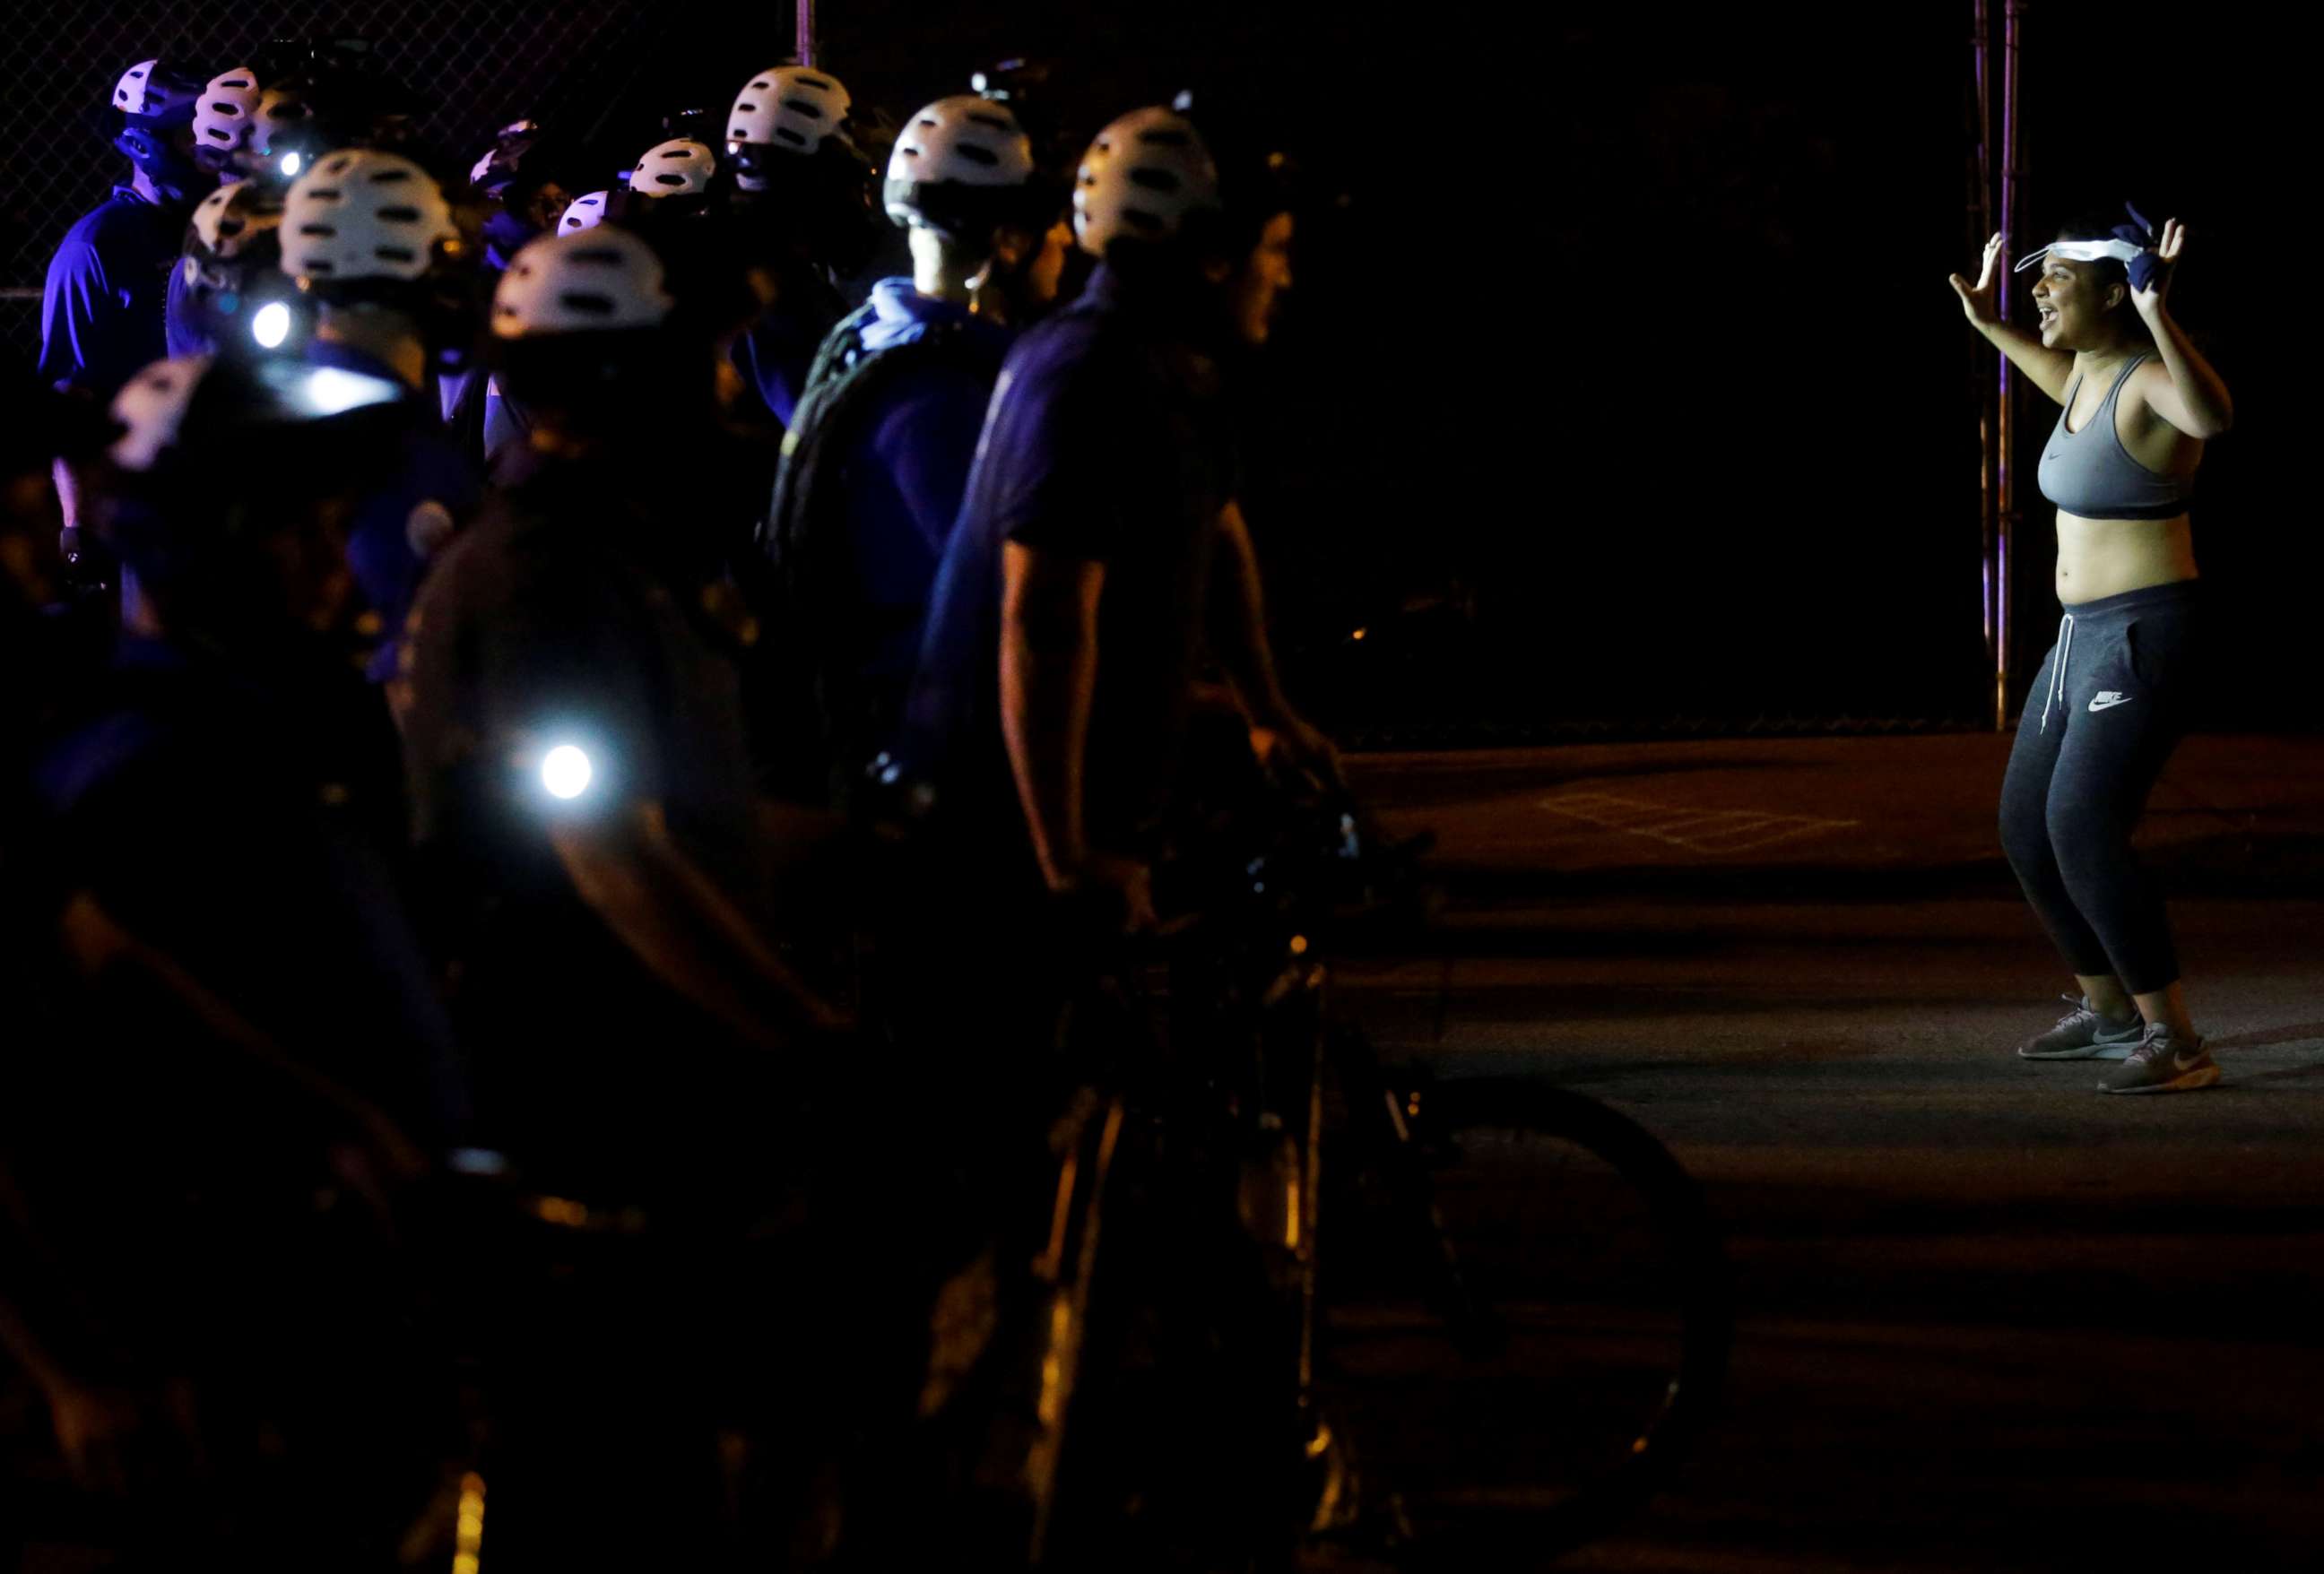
(2103, 558)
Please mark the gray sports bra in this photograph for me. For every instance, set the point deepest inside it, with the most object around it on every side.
(2089, 472)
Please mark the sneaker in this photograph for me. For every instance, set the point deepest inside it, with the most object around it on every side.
(2163, 1064)
(2081, 1034)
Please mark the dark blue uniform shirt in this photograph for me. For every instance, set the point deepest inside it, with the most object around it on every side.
(101, 313)
(430, 472)
(1105, 443)
(907, 469)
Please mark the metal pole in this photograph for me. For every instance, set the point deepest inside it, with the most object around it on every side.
(1981, 225)
(2005, 469)
(805, 44)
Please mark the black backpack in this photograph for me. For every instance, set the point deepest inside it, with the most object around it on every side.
(817, 704)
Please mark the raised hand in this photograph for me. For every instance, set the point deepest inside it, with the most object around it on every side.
(2151, 272)
(1981, 302)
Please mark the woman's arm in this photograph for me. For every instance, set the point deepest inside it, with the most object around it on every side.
(2193, 396)
(2049, 370)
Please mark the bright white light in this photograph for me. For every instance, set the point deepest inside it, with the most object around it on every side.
(565, 771)
(331, 390)
(290, 162)
(272, 324)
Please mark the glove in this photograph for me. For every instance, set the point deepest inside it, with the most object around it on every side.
(2146, 267)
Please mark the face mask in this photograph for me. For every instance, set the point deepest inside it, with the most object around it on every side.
(172, 172)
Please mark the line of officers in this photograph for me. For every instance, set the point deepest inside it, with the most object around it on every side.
(532, 679)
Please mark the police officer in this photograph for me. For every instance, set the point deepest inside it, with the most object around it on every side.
(101, 309)
(806, 195)
(103, 305)
(573, 740)
(251, 1024)
(373, 245)
(878, 454)
(1070, 609)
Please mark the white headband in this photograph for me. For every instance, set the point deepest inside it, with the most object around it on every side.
(2082, 251)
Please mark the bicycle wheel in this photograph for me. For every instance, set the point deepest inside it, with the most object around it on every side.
(1528, 1317)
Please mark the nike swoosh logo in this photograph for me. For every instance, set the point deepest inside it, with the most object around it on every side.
(2180, 1063)
(2110, 705)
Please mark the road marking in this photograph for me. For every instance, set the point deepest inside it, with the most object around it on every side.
(1710, 830)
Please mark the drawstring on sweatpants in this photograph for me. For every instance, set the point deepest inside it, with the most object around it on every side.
(2058, 669)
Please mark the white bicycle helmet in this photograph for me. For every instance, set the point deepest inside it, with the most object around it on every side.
(1142, 179)
(680, 167)
(510, 145)
(794, 109)
(226, 114)
(961, 140)
(151, 90)
(152, 406)
(601, 280)
(587, 211)
(363, 214)
(280, 109)
(232, 218)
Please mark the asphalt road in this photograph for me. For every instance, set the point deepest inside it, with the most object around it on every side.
(1990, 1319)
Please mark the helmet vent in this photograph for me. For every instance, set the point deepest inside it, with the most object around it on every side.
(820, 84)
(992, 123)
(806, 106)
(323, 231)
(1154, 179)
(976, 155)
(586, 302)
(789, 135)
(400, 215)
(395, 254)
(1163, 137)
(390, 177)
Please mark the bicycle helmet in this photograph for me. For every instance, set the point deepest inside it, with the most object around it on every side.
(1141, 179)
(363, 215)
(233, 219)
(595, 281)
(232, 262)
(957, 162)
(150, 409)
(790, 110)
(226, 114)
(153, 90)
(587, 211)
(153, 102)
(500, 162)
(680, 167)
(280, 109)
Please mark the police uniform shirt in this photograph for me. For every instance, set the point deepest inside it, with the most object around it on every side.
(102, 310)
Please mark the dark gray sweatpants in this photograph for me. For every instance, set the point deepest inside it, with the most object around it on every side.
(2114, 697)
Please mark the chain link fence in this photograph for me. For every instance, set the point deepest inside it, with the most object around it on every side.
(475, 65)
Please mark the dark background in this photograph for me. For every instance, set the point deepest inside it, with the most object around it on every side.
(1624, 391)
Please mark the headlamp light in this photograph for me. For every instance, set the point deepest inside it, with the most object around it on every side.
(565, 771)
(270, 325)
